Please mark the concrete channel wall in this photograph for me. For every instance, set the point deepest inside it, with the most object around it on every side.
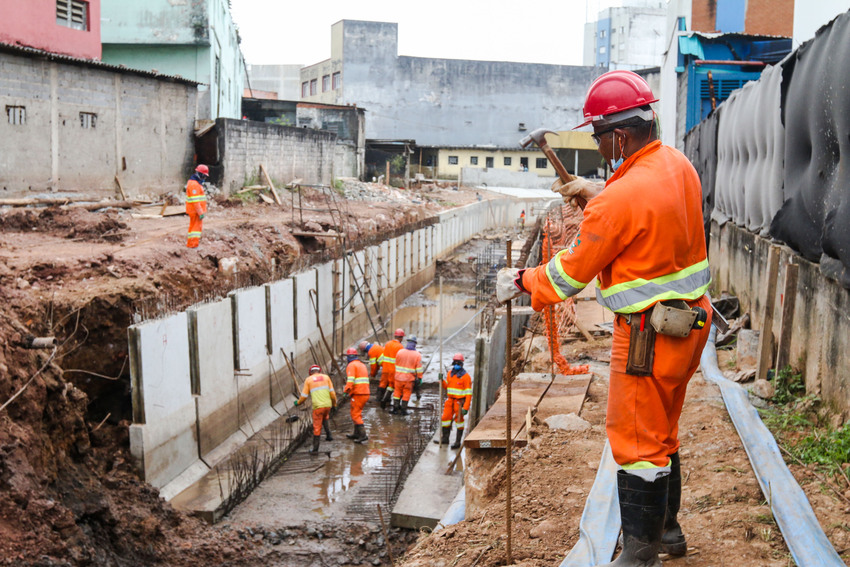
(206, 379)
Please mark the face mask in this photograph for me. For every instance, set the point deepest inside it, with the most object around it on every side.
(457, 365)
(618, 162)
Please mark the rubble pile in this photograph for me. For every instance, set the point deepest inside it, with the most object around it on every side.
(375, 192)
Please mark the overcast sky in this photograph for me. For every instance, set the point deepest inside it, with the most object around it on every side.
(299, 32)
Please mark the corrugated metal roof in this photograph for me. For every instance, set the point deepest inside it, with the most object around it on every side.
(33, 52)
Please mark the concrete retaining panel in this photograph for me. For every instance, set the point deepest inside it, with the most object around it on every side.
(324, 295)
(280, 298)
(306, 319)
(163, 435)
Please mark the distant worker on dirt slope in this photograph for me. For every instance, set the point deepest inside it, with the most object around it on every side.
(196, 204)
(642, 234)
(408, 373)
(458, 386)
(387, 359)
(321, 391)
(522, 219)
(357, 386)
(373, 352)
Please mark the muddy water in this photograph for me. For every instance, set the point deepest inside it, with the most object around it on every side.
(347, 480)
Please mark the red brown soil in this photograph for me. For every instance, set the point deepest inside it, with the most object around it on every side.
(69, 492)
(724, 514)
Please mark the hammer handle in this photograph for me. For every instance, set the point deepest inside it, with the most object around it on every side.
(562, 171)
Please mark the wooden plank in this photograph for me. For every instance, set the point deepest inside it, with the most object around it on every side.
(330, 234)
(786, 324)
(265, 198)
(173, 210)
(248, 188)
(565, 395)
(490, 431)
(271, 185)
(766, 335)
(516, 310)
(121, 188)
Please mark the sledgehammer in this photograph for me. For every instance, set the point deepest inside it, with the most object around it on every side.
(539, 138)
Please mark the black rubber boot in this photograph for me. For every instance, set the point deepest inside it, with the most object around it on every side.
(380, 397)
(353, 435)
(444, 435)
(387, 400)
(458, 437)
(361, 433)
(327, 427)
(642, 508)
(673, 540)
(396, 406)
(316, 440)
(403, 407)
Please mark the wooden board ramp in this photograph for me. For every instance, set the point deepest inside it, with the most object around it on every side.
(530, 389)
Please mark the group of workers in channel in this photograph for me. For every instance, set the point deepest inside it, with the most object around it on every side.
(642, 238)
(401, 374)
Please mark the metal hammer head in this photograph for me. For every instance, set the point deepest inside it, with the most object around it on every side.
(538, 137)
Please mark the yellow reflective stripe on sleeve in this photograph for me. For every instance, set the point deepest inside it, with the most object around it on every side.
(196, 199)
(563, 284)
(639, 294)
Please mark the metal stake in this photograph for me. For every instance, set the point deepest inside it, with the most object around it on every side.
(508, 379)
(440, 371)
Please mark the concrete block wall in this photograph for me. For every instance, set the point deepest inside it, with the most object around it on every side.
(53, 151)
(205, 380)
(286, 152)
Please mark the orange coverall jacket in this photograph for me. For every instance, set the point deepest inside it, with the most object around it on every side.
(196, 199)
(357, 378)
(387, 358)
(374, 356)
(643, 236)
(459, 386)
(408, 365)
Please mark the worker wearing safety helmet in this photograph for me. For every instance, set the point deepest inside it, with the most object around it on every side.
(408, 373)
(373, 352)
(387, 360)
(196, 204)
(642, 236)
(320, 388)
(458, 387)
(357, 386)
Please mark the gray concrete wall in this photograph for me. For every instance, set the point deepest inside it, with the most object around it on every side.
(286, 153)
(476, 176)
(820, 343)
(142, 130)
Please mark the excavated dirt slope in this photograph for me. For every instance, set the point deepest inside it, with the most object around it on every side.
(69, 494)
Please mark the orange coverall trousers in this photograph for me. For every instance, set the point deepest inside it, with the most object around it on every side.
(195, 227)
(387, 380)
(643, 411)
(451, 410)
(358, 401)
(319, 416)
(403, 389)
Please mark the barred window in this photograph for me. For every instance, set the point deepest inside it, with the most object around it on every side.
(88, 120)
(73, 14)
(17, 115)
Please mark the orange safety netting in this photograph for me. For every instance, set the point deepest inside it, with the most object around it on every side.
(561, 317)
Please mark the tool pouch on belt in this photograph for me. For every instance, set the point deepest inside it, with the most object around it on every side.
(641, 346)
(673, 317)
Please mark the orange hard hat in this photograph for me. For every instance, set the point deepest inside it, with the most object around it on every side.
(315, 368)
(399, 332)
(458, 357)
(351, 351)
(614, 92)
(203, 169)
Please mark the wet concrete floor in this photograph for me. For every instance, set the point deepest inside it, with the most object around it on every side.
(347, 481)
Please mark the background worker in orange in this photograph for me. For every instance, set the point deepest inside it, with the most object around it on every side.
(357, 386)
(458, 386)
(642, 234)
(196, 204)
(373, 352)
(321, 391)
(408, 373)
(387, 359)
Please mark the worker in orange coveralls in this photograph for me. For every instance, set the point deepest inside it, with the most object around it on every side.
(373, 352)
(458, 386)
(357, 386)
(387, 359)
(321, 391)
(522, 219)
(196, 204)
(408, 373)
(642, 234)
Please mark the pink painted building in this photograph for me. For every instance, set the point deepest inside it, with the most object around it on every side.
(69, 27)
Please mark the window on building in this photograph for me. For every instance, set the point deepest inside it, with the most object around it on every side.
(326, 83)
(73, 14)
(452, 160)
(602, 50)
(305, 89)
(507, 161)
(473, 160)
(613, 31)
(17, 115)
(489, 162)
(602, 33)
(314, 86)
(88, 120)
(622, 29)
(336, 80)
(542, 163)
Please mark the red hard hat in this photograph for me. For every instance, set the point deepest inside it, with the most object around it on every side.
(352, 350)
(457, 357)
(203, 169)
(315, 368)
(613, 92)
(399, 332)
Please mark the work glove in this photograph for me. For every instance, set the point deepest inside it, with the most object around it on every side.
(464, 411)
(509, 284)
(579, 187)
(201, 216)
(296, 403)
(418, 382)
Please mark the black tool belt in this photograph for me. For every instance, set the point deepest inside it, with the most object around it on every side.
(673, 318)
